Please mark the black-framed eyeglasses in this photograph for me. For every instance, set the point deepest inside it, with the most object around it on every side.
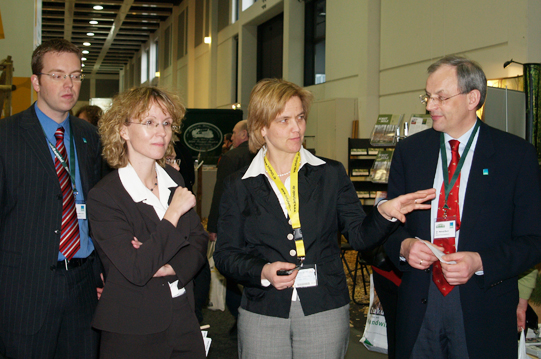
(438, 100)
(61, 77)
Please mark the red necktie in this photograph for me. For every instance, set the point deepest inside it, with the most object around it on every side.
(453, 211)
(70, 240)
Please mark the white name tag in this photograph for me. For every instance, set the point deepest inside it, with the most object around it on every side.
(307, 276)
(81, 210)
(445, 229)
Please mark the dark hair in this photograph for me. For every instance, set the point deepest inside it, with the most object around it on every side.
(469, 75)
(227, 136)
(93, 113)
(53, 45)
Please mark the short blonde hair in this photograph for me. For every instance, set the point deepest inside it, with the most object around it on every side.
(133, 104)
(267, 100)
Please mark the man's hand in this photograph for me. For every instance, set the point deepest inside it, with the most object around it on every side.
(417, 253)
(521, 314)
(467, 263)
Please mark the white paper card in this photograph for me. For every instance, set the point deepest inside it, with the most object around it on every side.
(307, 277)
(436, 251)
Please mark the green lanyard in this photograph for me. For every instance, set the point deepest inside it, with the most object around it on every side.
(448, 186)
(71, 171)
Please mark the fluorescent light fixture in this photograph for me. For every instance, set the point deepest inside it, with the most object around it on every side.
(86, 52)
(83, 58)
(207, 39)
(98, 7)
(87, 43)
(83, 65)
(93, 22)
(89, 34)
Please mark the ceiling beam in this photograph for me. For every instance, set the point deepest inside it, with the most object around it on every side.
(68, 18)
(124, 9)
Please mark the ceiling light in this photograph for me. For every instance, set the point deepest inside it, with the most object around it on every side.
(83, 58)
(83, 65)
(98, 7)
(87, 43)
(157, 74)
(86, 52)
(89, 34)
(93, 22)
(207, 40)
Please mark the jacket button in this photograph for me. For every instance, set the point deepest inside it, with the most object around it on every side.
(56, 231)
(424, 301)
(290, 236)
(427, 270)
(293, 253)
(289, 221)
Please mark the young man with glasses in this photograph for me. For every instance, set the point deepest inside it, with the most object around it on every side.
(49, 160)
(485, 218)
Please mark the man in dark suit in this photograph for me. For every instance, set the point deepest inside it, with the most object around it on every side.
(232, 161)
(49, 161)
(485, 217)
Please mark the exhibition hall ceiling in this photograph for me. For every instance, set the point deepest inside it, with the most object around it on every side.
(111, 35)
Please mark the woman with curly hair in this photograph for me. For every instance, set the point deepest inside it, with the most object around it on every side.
(149, 238)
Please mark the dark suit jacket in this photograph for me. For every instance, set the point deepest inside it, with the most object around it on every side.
(500, 220)
(232, 161)
(31, 214)
(252, 231)
(133, 301)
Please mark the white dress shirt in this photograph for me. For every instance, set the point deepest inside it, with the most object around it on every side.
(140, 193)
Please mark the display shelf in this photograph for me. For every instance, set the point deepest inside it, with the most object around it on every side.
(361, 156)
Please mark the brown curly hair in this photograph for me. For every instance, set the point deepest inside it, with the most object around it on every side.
(134, 104)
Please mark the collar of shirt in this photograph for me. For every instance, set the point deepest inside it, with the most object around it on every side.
(140, 193)
(50, 126)
(257, 167)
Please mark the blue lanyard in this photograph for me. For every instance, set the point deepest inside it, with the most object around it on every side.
(449, 185)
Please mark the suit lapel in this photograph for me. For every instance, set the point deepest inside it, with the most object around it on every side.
(425, 172)
(35, 138)
(478, 183)
(83, 154)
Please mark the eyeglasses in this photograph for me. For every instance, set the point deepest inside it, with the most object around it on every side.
(61, 77)
(170, 161)
(150, 124)
(437, 100)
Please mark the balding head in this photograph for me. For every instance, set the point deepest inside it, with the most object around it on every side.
(240, 133)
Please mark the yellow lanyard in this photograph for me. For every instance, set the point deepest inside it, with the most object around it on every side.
(291, 201)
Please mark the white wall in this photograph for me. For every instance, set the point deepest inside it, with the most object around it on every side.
(377, 52)
(18, 23)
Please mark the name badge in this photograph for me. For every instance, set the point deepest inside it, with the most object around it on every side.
(307, 276)
(81, 210)
(445, 228)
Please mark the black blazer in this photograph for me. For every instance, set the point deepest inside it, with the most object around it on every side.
(232, 161)
(133, 301)
(31, 214)
(500, 220)
(252, 231)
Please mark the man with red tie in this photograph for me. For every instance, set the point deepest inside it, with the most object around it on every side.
(485, 218)
(49, 161)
